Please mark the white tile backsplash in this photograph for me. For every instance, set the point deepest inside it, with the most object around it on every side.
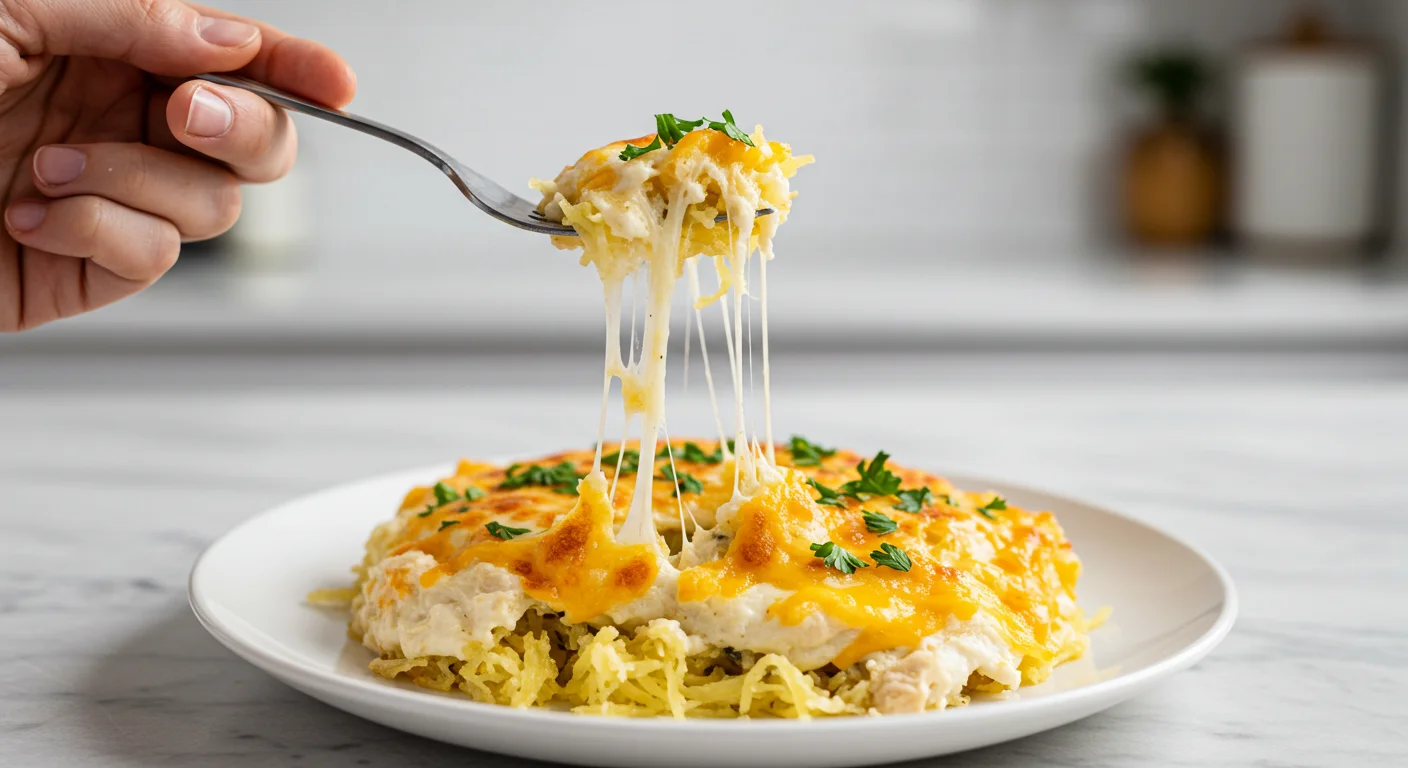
(988, 123)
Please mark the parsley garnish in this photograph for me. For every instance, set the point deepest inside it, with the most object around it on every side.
(473, 494)
(876, 522)
(874, 480)
(829, 497)
(692, 452)
(444, 494)
(503, 531)
(696, 454)
(997, 503)
(561, 478)
(631, 151)
(671, 129)
(891, 556)
(730, 129)
(914, 499)
(629, 460)
(835, 557)
(447, 523)
(684, 482)
(806, 453)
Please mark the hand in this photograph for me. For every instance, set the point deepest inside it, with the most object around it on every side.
(105, 170)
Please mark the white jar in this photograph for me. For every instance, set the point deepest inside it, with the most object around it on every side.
(1307, 148)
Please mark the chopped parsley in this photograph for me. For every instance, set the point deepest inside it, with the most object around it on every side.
(876, 522)
(670, 129)
(692, 452)
(829, 497)
(447, 523)
(998, 503)
(684, 482)
(473, 494)
(835, 557)
(627, 459)
(503, 531)
(891, 556)
(561, 478)
(730, 129)
(631, 151)
(805, 453)
(874, 480)
(444, 494)
(914, 499)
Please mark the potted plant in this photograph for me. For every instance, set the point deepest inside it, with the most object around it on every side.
(1172, 177)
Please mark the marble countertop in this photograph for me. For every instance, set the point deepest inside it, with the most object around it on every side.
(109, 493)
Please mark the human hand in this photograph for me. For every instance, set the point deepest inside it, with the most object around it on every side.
(104, 169)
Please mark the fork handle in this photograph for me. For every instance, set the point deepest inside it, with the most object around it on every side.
(345, 119)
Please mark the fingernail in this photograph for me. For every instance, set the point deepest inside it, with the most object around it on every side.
(210, 115)
(23, 217)
(58, 165)
(226, 32)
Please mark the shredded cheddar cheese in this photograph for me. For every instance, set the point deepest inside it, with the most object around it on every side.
(722, 577)
(1017, 570)
(576, 565)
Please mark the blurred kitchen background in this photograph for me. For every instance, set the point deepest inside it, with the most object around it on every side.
(1157, 188)
(1151, 253)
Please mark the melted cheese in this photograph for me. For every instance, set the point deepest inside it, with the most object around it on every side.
(962, 564)
(577, 565)
(748, 579)
(991, 594)
(653, 214)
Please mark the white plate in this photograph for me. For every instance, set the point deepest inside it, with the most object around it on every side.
(1172, 604)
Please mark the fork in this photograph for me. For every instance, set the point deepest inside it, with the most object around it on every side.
(484, 193)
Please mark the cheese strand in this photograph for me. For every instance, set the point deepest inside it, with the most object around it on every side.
(692, 267)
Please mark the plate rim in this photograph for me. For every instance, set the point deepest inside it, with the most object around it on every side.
(287, 670)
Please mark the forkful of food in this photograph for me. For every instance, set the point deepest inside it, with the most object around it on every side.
(486, 195)
(119, 152)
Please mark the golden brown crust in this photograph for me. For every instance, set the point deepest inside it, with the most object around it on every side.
(967, 552)
(536, 507)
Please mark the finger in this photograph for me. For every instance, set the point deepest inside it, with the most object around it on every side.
(296, 65)
(200, 198)
(255, 139)
(164, 37)
(157, 132)
(133, 245)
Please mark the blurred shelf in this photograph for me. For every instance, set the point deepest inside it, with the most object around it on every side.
(963, 300)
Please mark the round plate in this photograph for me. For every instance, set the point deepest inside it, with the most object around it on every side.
(1172, 604)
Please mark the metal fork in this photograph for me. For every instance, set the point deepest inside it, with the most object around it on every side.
(484, 193)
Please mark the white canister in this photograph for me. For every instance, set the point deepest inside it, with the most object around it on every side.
(1307, 148)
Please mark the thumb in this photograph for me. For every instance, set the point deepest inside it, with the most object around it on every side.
(164, 37)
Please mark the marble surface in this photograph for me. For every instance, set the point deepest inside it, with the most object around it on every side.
(107, 494)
